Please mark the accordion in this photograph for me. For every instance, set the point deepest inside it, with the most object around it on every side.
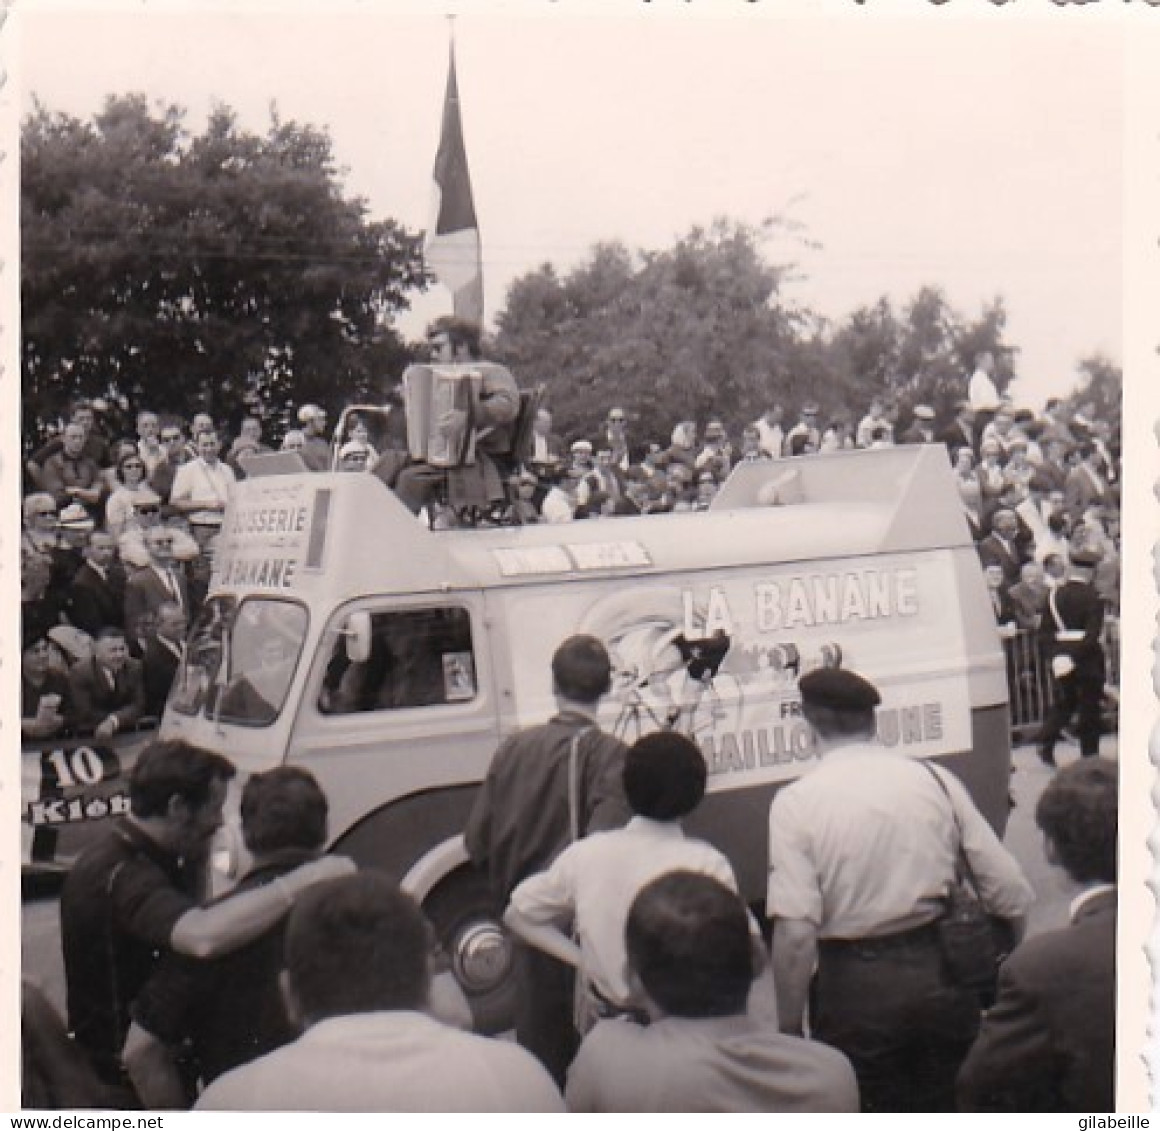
(430, 391)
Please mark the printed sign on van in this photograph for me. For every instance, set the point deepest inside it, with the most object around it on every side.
(274, 530)
(720, 658)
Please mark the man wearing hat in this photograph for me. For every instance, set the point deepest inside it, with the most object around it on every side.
(1070, 632)
(921, 430)
(354, 455)
(862, 851)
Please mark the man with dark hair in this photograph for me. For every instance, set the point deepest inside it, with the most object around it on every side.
(133, 895)
(231, 1009)
(107, 689)
(356, 980)
(862, 853)
(691, 959)
(525, 815)
(592, 883)
(494, 406)
(1048, 1043)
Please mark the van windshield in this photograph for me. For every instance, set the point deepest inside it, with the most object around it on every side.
(240, 660)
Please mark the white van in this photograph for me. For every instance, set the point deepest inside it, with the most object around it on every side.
(343, 635)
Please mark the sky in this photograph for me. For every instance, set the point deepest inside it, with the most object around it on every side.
(981, 155)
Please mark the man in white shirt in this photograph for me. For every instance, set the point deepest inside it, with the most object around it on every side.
(593, 882)
(202, 488)
(357, 981)
(862, 852)
(982, 391)
(769, 425)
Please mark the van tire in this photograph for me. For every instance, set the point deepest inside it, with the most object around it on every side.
(469, 927)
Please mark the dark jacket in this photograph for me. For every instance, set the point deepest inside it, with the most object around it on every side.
(1048, 1043)
(94, 700)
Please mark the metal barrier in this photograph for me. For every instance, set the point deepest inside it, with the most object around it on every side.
(1032, 689)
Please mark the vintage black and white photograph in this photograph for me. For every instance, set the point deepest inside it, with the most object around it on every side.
(577, 559)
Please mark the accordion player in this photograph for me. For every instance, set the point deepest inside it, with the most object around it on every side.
(459, 416)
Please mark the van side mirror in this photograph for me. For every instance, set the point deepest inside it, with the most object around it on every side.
(357, 637)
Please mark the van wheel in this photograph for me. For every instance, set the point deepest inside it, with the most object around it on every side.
(479, 948)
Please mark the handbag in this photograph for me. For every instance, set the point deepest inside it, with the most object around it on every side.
(967, 930)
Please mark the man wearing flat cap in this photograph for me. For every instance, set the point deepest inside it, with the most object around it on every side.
(862, 852)
(1070, 632)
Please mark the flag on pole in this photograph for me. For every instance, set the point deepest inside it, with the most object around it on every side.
(452, 248)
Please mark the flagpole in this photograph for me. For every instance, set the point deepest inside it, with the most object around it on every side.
(452, 250)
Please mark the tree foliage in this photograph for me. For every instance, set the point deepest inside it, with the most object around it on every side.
(706, 328)
(220, 270)
(1099, 394)
(697, 328)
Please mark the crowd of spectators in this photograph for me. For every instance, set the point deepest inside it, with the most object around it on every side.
(119, 533)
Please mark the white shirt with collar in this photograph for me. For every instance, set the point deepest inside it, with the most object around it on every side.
(595, 880)
(1085, 897)
(865, 845)
(198, 482)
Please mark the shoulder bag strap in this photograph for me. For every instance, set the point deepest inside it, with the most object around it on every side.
(1060, 626)
(574, 829)
(962, 861)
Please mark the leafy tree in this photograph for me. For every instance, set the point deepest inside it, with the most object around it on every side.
(1100, 391)
(699, 328)
(221, 271)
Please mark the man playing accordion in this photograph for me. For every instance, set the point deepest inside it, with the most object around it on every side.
(456, 445)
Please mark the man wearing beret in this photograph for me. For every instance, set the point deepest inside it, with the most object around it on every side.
(862, 852)
(1070, 632)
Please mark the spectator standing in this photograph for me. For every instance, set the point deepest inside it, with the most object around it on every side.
(1029, 596)
(521, 821)
(132, 487)
(921, 430)
(174, 455)
(248, 442)
(1070, 634)
(149, 445)
(752, 449)
(691, 956)
(549, 454)
(1001, 546)
(982, 391)
(133, 895)
(315, 450)
(1048, 1043)
(769, 426)
(590, 886)
(107, 690)
(804, 433)
(202, 488)
(1085, 484)
(682, 447)
(70, 475)
(862, 852)
(960, 433)
(874, 420)
(357, 980)
(160, 581)
(615, 439)
(716, 457)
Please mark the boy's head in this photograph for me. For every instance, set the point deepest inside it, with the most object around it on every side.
(664, 776)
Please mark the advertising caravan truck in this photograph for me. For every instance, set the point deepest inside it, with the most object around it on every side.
(343, 635)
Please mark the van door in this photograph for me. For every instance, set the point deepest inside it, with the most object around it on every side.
(399, 723)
